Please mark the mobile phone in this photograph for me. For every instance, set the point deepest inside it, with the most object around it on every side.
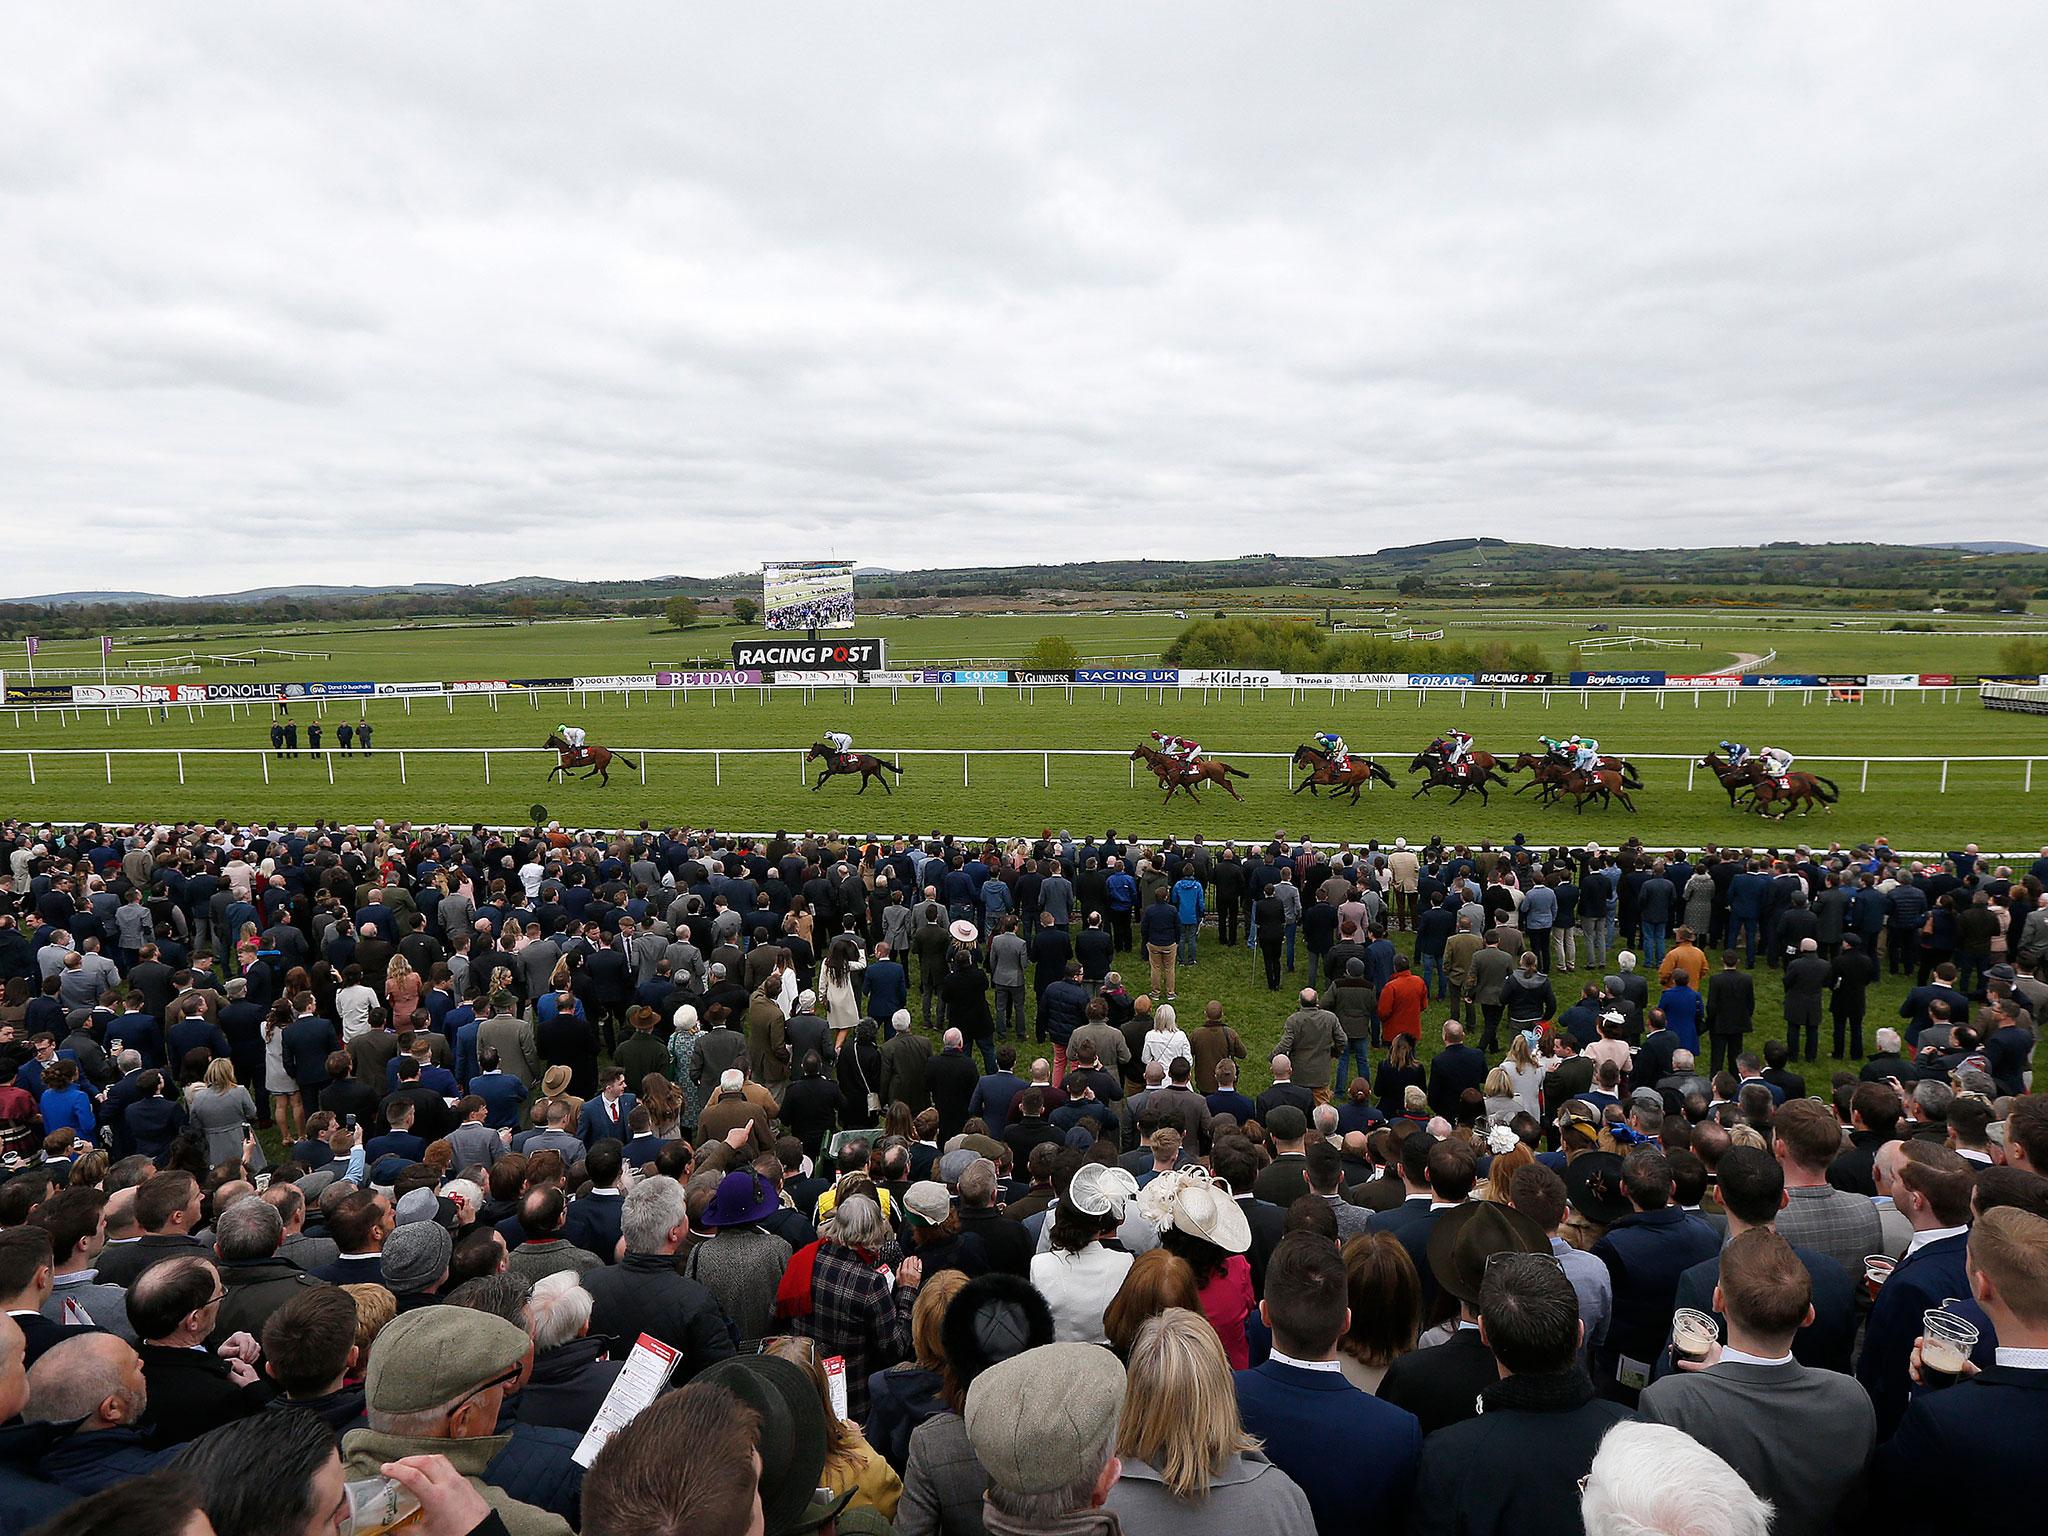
(349, 1121)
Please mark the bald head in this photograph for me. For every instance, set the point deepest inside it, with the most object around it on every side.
(1454, 1032)
(953, 1040)
(1283, 1069)
(1308, 997)
(96, 1377)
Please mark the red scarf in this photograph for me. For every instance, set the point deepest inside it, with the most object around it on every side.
(793, 1293)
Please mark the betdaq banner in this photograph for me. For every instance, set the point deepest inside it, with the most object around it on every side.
(763, 655)
(1145, 677)
(1226, 677)
(1617, 679)
(750, 678)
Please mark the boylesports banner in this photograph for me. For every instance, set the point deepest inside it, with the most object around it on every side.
(765, 655)
(1617, 679)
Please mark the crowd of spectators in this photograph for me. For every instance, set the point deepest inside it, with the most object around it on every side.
(342, 1154)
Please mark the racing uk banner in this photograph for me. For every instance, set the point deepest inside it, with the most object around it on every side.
(1140, 677)
(1617, 679)
(1224, 677)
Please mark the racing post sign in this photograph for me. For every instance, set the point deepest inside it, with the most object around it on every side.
(807, 655)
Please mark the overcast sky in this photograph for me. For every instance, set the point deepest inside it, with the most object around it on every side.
(367, 293)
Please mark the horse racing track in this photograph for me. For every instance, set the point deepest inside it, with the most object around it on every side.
(994, 762)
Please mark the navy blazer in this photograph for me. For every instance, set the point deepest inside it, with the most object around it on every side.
(504, 1098)
(1645, 1253)
(1353, 1455)
(1825, 1344)
(1924, 1280)
(593, 1224)
(1991, 1427)
(594, 1125)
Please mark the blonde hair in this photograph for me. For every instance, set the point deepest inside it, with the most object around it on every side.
(399, 966)
(1519, 1052)
(1498, 1084)
(375, 1306)
(1180, 1408)
(843, 1442)
(220, 1074)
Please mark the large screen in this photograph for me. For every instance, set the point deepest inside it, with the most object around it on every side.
(807, 594)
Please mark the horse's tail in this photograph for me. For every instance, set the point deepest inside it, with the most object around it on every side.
(883, 762)
(625, 759)
(1630, 779)
(1825, 788)
(1236, 773)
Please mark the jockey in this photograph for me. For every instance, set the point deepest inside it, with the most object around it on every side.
(1333, 748)
(1457, 747)
(1557, 751)
(572, 734)
(1776, 760)
(1183, 747)
(1586, 758)
(1738, 754)
(839, 742)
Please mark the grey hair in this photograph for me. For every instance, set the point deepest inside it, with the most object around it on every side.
(249, 1229)
(857, 1223)
(1933, 1097)
(558, 1310)
(75, 1376)
(1041, 1508)
(653, 1209)
(1650, 1478)
(1326, 1119)
(1888, 1039)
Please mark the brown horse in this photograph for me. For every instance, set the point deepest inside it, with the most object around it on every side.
(1463, 781)
(1176, 776)
(597, 759)
(1733, 779)
(837, 762)
(1356, 774)
(1546, 773)
(1603, 784)
(1434, 756)
(1798, 788)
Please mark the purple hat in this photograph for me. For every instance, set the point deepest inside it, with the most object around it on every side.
(741, 1199)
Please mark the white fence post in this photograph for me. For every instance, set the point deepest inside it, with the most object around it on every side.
(1944, 776)
(487, 765)
(401, 767)
(31, 768)
(1864, 787)
(328, 753)
(717, 768)
(1048, 772)
(181, 767)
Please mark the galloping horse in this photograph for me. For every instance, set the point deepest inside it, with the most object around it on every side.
(1433, 756)
(1175, 775)
(1450, 778)
(1604, 784)
(1798, 788)
(836, 762)
(597, 759)
(1733, 779)
(1546, 773)
(1354, 776)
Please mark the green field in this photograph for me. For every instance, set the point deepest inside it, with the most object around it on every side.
(1984, 802)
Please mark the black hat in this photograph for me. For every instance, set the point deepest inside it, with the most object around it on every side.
(1464, 1239)
(992, 1318)
(793, 1438)
(1593, 1183)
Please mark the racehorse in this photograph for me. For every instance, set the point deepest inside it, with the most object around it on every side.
(1798, 788)
(1733, 779)
(597, 759)
(1604, 784)
(1433, 756)
(1464, 783)
(1356, 773)
(865, 764)
(1175, 775)
(1545, 772)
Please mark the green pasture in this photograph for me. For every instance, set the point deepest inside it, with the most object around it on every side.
(1984, 802)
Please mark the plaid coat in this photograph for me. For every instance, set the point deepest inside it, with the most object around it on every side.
(853, 1314)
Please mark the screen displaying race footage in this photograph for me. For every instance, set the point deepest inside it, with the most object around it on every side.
(807, 594)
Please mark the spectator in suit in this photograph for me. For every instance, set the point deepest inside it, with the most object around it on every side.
(605, 1116)
(1731, 1010)
(1989, 1428)
(1807, 1138)
(1285, 1090)
(1519, 1465)
(1457, 1066)
(1800, 1437)
(1931, 1185)
(1752, 1194)
(1645, 1252)
(1353, 1455)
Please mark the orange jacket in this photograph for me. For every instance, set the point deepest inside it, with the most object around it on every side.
(1401, 1004)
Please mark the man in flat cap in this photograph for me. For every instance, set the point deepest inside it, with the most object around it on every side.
(1043, 1426)
(436, 1379)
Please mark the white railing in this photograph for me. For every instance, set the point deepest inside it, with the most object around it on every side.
(1394, 761)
